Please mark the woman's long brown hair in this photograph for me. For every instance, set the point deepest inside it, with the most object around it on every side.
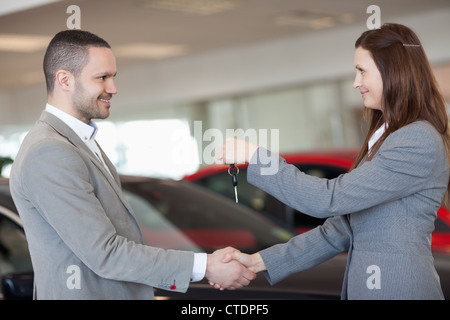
(410, 90)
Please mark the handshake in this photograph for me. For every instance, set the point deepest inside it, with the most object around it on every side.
(231, 269)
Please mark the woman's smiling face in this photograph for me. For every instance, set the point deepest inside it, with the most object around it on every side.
(368, 79)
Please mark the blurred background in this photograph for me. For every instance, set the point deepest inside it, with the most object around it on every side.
(283, 65)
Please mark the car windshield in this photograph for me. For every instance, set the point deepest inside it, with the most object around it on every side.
(267, 205)
(177, 215)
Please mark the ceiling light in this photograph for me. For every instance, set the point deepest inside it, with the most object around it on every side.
(23, 42)
(149, 50)
(322, 23)
(201, 7)
(306, 19)
(347, 18)
(9, 7)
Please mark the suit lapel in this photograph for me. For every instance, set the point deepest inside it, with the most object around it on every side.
(109, 164)
(65, 131)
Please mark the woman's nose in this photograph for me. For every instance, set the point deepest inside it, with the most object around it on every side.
(356, 83)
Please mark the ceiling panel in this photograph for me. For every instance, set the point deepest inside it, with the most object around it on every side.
(143, 30)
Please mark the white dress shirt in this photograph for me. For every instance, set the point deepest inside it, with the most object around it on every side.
(87, 133)
(376, 135)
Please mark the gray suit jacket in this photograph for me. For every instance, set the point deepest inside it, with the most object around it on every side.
(382, 212)
(84, 240)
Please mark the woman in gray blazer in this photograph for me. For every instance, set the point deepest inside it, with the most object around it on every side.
(383, 211)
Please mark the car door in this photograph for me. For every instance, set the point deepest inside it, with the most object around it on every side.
(14, 253)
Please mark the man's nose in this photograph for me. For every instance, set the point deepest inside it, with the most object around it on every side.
(112, 89)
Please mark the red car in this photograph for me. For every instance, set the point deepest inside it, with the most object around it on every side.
(326, 164)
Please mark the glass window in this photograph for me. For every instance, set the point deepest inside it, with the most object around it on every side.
(14, 254)
(269, 206)
(156, 229)
(203, 220)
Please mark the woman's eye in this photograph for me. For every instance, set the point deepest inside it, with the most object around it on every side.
(362, 71)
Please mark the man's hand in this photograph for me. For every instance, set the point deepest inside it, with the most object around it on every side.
(227, 275)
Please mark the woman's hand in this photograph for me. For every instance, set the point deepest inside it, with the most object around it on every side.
(235, 151)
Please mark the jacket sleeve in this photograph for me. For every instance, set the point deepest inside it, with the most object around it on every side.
(400, 168)
(307, 250)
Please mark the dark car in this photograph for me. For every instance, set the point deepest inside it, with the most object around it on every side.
(325, 164)
(176, 215)
(181, 215)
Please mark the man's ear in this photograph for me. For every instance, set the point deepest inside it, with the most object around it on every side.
(64, 80)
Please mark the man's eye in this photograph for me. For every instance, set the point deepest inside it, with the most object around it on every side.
(361, 71)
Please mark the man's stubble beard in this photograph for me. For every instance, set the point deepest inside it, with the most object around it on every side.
(86, 106)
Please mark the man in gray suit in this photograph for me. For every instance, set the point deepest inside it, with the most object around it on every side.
(84, 240)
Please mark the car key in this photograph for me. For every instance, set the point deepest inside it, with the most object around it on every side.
(233, 171)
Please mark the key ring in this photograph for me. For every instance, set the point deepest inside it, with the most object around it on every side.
(234, 168)
(233, 175)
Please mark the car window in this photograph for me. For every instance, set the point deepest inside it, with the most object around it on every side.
(208, 220)
(14, 254)
(157, 230)
(441, 226)
(257, 199)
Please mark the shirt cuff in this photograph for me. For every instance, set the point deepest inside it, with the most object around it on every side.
(199, 268)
